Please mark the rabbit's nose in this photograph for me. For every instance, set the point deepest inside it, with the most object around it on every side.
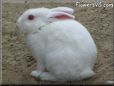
(17, 28)
(18, 32)
(17, 24)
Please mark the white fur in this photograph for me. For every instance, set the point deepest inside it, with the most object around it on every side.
(64, 47)
(63, 9)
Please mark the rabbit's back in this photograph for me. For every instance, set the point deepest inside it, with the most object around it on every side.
(70, 50)
(68, 34)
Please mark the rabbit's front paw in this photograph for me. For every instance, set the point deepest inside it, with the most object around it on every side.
(47, 76)
(36, 73)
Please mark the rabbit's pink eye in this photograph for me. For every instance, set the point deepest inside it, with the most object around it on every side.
(30, 17)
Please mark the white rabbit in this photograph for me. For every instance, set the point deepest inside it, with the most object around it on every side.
(60, 44)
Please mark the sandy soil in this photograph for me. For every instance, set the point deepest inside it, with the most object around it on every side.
(88, 1)
(18, 61)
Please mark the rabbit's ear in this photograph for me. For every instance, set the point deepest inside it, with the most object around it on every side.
(63, 9)
(60, 15)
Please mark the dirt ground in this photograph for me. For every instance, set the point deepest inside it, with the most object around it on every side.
(17, 59)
